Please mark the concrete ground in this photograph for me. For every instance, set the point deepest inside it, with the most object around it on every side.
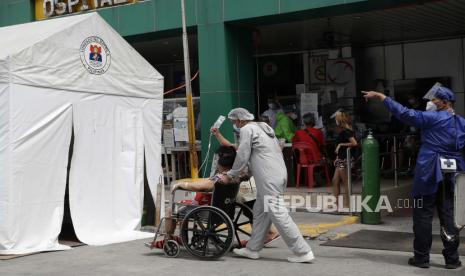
(132, 258)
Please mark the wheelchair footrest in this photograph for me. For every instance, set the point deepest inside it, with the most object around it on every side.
(148, 244)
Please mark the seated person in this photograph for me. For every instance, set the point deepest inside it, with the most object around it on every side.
(270, 113)
(226, 155)
(312, 136)
(226, 158)
(285, 127)
(225, 162)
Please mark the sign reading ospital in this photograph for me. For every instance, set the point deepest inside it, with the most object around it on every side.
(50, 8)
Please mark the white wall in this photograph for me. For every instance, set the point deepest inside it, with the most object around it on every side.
(421, 60)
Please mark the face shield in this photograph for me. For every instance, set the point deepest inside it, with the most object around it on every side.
(432, 92)
(339, 111)
(335, 113)
(440, 92)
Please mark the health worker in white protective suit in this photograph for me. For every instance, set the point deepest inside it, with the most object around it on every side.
(259, 149)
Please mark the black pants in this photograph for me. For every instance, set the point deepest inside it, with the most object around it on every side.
(443, 200)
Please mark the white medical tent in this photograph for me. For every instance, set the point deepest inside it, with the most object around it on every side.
(75, 75)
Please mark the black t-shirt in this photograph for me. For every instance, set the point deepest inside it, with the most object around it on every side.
(344, 137)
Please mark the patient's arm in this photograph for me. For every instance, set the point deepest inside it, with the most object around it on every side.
(199, 185)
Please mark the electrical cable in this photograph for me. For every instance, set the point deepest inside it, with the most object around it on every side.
(181, 86)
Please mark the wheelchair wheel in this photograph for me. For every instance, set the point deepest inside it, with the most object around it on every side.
(242, 216)
(207, 232)
(171, 248)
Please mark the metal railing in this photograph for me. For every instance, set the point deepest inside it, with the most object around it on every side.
(388, 151)
(349, 178)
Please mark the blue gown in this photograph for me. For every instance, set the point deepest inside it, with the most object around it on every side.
(442, 134)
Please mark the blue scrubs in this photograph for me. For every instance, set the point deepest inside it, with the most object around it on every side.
(442, 134)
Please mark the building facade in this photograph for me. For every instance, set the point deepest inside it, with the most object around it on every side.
(237, 44)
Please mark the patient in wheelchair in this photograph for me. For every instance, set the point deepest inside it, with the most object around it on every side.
(247, 195)
(201, 187)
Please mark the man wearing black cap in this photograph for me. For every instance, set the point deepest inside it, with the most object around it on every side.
(443, 139)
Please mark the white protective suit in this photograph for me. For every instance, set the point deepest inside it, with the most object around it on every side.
(271, 114)
(260, 150)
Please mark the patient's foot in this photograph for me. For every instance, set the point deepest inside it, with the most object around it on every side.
(270, 240)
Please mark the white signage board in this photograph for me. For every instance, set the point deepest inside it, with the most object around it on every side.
(181, 133)
(308, 103)
(168, 138)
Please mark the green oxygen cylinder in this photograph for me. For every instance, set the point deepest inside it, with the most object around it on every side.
(371, 184)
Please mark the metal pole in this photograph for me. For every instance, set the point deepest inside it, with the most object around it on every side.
(349, 178)
(193, 161)
(158, 203)
(396, 170)
(167, 167)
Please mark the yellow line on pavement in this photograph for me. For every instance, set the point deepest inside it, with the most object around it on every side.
(315, 230)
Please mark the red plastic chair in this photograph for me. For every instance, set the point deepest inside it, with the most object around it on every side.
(303, 148)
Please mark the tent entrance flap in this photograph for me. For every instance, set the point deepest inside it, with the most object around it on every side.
(106, 177)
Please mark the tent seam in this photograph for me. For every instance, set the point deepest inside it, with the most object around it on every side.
(95, 92)
(115, 73)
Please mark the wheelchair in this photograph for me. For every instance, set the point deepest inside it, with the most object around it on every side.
(207, 231)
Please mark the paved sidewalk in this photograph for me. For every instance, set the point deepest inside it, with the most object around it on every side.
(132, 258)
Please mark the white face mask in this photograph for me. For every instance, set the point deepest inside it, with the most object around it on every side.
(430, 106)
(236, 129)
(293, 116)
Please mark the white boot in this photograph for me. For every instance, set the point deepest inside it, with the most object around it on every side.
(244, 252)
(306, 258)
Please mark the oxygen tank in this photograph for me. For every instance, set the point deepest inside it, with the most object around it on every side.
(371, 184)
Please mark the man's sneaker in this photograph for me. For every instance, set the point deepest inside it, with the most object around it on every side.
(306, 258)
(421, 264)
(454, 266)
(244, 252)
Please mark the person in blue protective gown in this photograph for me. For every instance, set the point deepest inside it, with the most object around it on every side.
(442, 136)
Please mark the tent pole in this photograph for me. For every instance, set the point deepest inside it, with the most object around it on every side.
(193, 161)
(158, 201)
